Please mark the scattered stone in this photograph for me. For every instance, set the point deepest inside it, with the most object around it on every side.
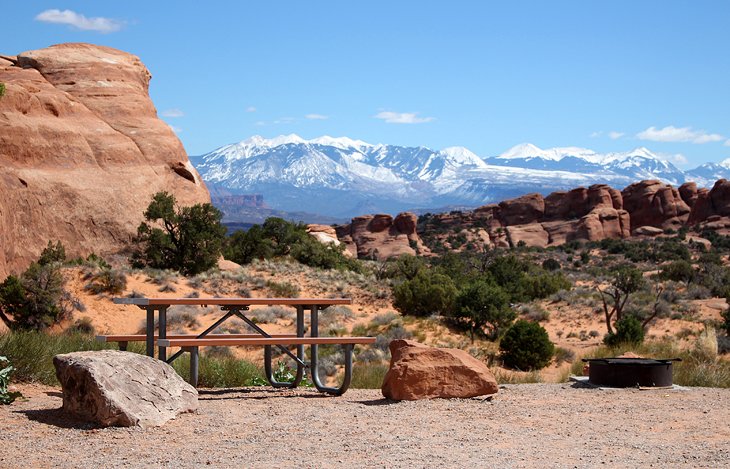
(113, 388)
(418, 371)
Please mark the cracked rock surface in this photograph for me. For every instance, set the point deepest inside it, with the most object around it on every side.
(113, 388)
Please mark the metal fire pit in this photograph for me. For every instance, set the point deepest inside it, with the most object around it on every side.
(630, 372)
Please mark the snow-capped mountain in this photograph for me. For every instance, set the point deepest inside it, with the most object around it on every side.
(340, 176)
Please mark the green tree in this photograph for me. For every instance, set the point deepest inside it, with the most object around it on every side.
(679, 271)
(188, 239)
(625, 280)
(53, 253)
(35, 299)
(245, 246)
(629, 330)
(427, 293)
(482, 305)
(526, 346)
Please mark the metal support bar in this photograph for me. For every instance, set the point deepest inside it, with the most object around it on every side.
(150, 331)
(266, 334)
(162, 328)
(123, 346)
(194, 365)
(204, 333)
(300, 354)
(314, 366)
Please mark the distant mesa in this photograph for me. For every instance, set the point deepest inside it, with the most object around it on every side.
(82, 152)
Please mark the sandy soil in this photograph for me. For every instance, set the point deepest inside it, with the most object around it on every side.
(542, 425)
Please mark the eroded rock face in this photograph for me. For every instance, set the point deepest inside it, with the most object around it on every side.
(381, 236)
(522, 210)
(653, 203)
(421, 372)
(82, 152)
(113, 388)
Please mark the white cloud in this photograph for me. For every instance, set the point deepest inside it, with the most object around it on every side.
(727, 143)
(260, 123)
(251, 109)
(614, 135)
(678, 134)
(172, 113)
(79, 21)
(319, 117)
(596, 134)
(402, 117)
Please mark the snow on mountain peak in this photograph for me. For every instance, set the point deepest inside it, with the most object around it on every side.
(523, 150)
(725, 163)
(528, 150)
(339, 142)
(258, 140)
(462, 155)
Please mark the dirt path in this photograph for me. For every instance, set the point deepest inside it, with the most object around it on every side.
(542, 425)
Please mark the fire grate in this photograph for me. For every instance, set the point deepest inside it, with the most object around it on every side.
(630, 372)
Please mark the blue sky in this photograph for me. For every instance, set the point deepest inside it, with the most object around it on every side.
(609, 76)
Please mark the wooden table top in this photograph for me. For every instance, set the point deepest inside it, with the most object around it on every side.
(233, 301)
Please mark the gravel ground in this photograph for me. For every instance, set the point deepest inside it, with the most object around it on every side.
(540, 425)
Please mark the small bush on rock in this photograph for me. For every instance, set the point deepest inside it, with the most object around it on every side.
(526, 346)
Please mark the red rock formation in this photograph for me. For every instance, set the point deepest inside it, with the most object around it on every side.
(382, 237)
(712, 208)
(522, 210)
(653, 203)
(82, 152)
(418, 371)
(688, 192)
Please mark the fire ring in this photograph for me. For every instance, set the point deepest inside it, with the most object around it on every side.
(630, 372)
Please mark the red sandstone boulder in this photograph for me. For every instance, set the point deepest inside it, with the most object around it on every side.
(688, 193)
(604, 223)
(702, 208)
(382, 237)
(522, 210)
(532, 235)
(653, 203)
(720, 198)
(82, 152)
(421, 372)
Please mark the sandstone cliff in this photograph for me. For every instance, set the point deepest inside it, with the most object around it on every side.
(82, 151)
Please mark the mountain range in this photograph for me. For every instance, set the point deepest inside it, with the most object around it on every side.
(342, 177)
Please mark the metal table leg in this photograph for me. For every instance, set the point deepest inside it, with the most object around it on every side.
(300, 354)
(314, 368)
(162, 327)
(150, 331)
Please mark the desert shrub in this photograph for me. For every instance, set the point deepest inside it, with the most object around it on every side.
(678, 271)
(36, 299)
(526, 346)
(482, 305)
(425, 294)
(383, 339)
(81, 326)
(723, 344)
(697, 292)
(270, 314)
(368, 375)
(564, 355)
(190, 241)
(550, 264)
(107, 281)
(714, 277)
(2, 90)
(628, 331)
(726, 320)
(52, 254)
(406, 267)
(534, 312)
(6, 369)
(282, 289)
(543, 285)
(384, 319)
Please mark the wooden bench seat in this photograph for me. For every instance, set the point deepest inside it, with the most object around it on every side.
(123, 340)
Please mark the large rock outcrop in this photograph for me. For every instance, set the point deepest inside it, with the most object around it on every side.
(113, 388)
(418, 371)
(653, 203)
(82, 151)
(381, 236)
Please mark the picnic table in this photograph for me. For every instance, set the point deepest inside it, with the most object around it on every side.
(235, 307)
